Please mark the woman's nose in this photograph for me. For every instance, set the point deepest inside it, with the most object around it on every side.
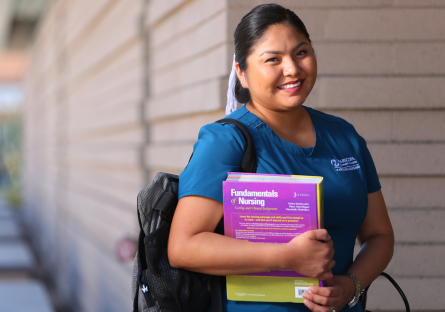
(291, 68)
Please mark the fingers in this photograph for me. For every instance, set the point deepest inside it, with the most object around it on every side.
(335, 295)
(325, 296)
(330, 244)
(332, 251)
(326, 274)
(326, 251)
(321, 235)
(311, 254)
(330, 282)
(315, 307)
(330, 266)
(324, 291)
(318, 299)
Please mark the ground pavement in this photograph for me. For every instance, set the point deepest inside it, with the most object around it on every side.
(19, 290)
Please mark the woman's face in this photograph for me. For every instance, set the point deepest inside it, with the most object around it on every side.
(281, 70)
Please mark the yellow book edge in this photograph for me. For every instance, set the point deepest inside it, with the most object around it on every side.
(278, 289)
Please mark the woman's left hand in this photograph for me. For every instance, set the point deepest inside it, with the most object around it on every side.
(338, 292)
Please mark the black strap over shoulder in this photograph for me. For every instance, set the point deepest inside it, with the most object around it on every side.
(249, 162)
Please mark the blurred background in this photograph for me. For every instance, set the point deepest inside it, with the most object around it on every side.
(98, 96)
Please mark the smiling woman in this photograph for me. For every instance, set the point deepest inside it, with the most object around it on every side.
(282, 72)
(282, 62)
(276, 69)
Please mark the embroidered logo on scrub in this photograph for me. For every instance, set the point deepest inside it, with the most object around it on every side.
(345, 164)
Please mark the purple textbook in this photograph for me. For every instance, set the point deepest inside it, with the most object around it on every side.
(271, 209)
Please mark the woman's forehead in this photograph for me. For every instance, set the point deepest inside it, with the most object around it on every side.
(279, 38)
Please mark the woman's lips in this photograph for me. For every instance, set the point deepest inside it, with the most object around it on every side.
(293, 89)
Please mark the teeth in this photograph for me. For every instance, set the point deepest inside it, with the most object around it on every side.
(290, 86)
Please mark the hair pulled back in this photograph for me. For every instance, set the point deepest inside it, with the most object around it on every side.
(251, 29)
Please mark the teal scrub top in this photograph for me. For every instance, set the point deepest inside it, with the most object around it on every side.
(340, 155)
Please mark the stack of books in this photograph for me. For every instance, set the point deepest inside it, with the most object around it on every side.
(270, 208)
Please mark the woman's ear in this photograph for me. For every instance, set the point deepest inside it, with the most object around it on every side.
(241, 74)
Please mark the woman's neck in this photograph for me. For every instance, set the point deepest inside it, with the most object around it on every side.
(294, 126)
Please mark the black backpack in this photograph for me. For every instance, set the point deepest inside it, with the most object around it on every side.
(156, 286)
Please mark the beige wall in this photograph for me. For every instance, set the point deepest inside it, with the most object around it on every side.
(83, 138)
(118, 91)
(190, 58)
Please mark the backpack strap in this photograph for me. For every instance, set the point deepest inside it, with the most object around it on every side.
(249, 162)
(142, 267)
(364, 294)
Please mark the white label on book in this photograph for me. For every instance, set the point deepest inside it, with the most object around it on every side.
(299, 291)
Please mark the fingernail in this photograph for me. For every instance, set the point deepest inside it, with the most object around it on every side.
(305, 296)
(311, 289)
(306, 303)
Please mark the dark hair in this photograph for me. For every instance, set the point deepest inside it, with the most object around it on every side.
(252, 28)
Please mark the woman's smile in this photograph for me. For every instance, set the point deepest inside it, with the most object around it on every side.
(292, 87)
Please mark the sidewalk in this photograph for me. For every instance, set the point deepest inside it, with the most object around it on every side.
(19, 291)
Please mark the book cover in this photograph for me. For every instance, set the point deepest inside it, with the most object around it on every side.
(272, 209)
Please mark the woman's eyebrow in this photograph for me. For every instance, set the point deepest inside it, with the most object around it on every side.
(280, 52)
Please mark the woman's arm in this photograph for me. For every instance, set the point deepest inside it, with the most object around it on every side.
(193, 246)
(376, 237)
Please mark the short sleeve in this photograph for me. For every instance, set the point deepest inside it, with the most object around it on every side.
(372, 179)
(219, 150)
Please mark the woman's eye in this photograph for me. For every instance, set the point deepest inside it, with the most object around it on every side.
(302, 52)
(272, 59)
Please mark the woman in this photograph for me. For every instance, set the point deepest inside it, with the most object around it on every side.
(276, 70)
